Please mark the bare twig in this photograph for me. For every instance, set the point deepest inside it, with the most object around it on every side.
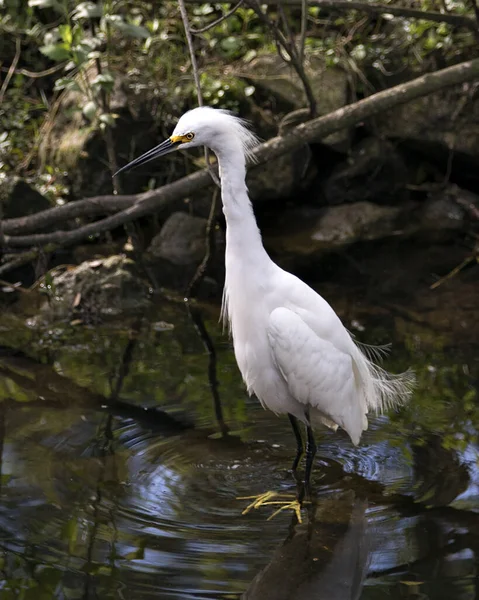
(311, 131)
(11, 70)
(468, 206)
(19, 261)
(218, 21)
(14, 286)
(193, 312)
(304, 25)
(210, 237)
(107, 135)
(196, 317)
(203, 334)
(194, 66)
(453, 273)
(39, 74)
(475, 8)
(289, 47)
(191, 49)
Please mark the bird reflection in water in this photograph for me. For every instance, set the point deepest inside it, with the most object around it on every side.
(325, 558)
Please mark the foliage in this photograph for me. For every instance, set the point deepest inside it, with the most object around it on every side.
(84, 51)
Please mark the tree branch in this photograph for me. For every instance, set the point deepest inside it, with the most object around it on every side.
(311, 131)
(89, 207)
(374, 8)
(218, 21)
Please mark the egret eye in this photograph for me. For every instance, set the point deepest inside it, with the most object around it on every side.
(190, 136)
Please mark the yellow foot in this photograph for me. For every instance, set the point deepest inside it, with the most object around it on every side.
(289, 502)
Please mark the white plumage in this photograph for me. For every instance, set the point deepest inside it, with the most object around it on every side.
(292, 350)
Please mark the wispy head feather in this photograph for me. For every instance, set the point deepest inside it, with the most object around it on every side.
(241, 128)
(209, 125)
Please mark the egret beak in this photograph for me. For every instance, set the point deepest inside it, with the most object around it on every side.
(164, 148)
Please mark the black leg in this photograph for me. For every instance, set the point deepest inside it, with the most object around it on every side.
(299, 441)
(310, 454)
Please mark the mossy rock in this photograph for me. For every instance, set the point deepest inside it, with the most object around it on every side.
(95, 290)
(19, 199)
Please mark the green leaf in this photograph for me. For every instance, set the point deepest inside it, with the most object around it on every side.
(203, 10)
(108, 119)
(430, 42)
(45, 4)
(135, 31)
(231, 44)
(89, 110)
(358, 52)
(249, 56)
(104, 81)
(67, 83)
(87, 10)
(66, 34)
(80, 55)
(56, 52)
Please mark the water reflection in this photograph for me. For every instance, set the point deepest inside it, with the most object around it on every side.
(115, 484)
(325, 558)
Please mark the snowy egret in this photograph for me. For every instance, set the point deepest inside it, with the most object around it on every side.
(292, 350)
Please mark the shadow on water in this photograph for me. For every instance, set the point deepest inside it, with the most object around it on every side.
(325, 558)
(115, 483)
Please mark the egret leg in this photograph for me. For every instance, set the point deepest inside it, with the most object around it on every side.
(310, 454)
(299, 441)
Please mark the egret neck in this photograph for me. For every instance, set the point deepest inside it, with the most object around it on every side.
(243, 238)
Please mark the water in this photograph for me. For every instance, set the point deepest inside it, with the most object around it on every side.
(115, 483)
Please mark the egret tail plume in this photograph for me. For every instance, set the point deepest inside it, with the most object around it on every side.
(382, 390)
(374, 353)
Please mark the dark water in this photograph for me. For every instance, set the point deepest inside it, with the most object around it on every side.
(115, 483)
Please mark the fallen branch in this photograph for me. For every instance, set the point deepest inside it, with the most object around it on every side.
(89, 207)
(19, 261)
(311, 131)
(145, 204)
(381, 9)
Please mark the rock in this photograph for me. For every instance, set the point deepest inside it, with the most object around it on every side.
(329, 84)
(442, 212)
(437, 124)
(96, 289)
(282, 177)
(285, 176)
(343, 225)
(374, 171)
(19, 199)
(306, 231)
(181, 241)
(176, 252)
(309, 231)
(330, 87)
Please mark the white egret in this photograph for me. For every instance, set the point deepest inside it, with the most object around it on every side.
(292, 350)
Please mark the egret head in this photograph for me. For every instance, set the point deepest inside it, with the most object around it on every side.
(214, 128)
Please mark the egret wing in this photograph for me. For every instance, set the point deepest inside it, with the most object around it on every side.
(317, 374)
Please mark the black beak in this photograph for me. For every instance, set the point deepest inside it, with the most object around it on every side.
(164, 148)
